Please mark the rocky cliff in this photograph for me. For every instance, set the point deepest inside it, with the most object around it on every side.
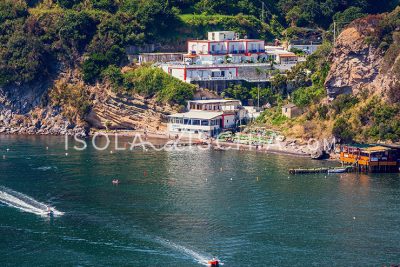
(31, 110)
(56, 107)
(366, 57)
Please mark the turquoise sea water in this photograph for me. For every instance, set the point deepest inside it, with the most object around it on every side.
(180, 208)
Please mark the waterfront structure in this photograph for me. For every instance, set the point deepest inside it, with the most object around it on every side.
(208, 117)
(379, 158)
(291, 110)
(198, 122)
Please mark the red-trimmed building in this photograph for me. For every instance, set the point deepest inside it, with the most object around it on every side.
(225, 56)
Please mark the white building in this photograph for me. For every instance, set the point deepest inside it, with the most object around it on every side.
(224, 47)
(208, 117)
(280, 56)
(224, 56)
(196, 122)
(308, 48)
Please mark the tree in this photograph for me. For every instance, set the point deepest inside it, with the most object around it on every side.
(342, 19)
(75, 31)
(93, 67)
(12, 9)
(343, 131)
(107, 5)
(279, 84)
(293, 15)
(68, 3)
(23, 60)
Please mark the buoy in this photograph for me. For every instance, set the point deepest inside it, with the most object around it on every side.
(4, 156)
(66, 154)
(354, 218)
(231, 179)
(47, 148)
(111, 152)
(257, 178)
(8, 149)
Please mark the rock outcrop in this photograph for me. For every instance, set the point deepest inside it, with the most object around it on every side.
(24, 110)
(357, 64)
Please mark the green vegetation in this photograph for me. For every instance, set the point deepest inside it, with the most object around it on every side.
(245, 25)
(148, 81)
(39, 39)
(37, 35)
(73, 98)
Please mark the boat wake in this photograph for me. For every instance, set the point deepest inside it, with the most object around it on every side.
(25, 203)
(200, 258)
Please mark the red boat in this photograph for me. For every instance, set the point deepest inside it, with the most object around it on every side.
(213, 263)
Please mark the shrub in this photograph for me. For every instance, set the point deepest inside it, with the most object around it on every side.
(149, 81)
(113, 75)
(343, 131)
(344, 102)
(73, 98)
(307, 95)
(323, 111)
(93, 66)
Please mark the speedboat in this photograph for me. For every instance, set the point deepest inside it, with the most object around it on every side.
(50, 212)
(213, 263)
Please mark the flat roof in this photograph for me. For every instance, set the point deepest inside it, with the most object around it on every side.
(210, 101)
(197, 114)
(282, 52)
(376, 149)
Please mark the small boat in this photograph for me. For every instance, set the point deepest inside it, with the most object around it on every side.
(213, 263)
(337, 170)
(50, 212)
(115, 182)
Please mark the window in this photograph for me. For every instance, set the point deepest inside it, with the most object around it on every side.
(195, 122)
(204, 122)
(186, 121)
(213, 36)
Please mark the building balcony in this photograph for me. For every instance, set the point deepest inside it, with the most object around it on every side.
(219, 52)
(209, 78)
(257, 51)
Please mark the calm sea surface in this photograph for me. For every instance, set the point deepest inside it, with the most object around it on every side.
(180, 208)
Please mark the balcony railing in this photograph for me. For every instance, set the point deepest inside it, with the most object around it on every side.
(219, 52)
(209, 78)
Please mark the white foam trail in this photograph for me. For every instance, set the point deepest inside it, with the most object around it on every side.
(200, 258)
(25, 203)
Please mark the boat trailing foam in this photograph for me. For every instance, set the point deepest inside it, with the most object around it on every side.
(25, 203)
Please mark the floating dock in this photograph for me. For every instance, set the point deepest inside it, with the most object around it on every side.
(320, 170)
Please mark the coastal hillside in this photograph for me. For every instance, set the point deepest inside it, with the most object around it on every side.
(353, 89)
(64, 66)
